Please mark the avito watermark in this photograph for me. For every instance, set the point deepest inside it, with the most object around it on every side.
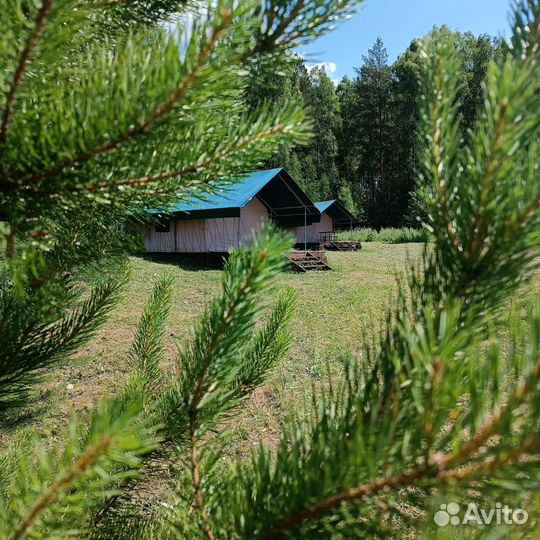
(453, 514)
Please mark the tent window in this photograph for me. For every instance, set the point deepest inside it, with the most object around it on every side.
(163, 227)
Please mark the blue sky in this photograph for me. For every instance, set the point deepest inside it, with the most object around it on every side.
(397, 22)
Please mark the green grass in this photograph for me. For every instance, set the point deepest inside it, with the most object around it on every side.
(336, 311)
(388, 236)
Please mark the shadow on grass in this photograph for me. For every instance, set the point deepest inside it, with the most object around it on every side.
(32, 407)
(189, 264)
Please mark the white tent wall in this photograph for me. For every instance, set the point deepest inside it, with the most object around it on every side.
(159, 242)
(252, 217)
(207, 235)
(190, 236)
(313, 230)
(221, 234)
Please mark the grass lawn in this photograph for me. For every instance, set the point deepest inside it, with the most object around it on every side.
(334, 310)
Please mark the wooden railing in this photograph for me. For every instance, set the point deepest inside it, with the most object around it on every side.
(327, 236)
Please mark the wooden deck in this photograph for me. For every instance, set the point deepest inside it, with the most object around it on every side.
(341, 245)
(329, 241)
(303, 261)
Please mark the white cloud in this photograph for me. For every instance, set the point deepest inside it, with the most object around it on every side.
(329, 67)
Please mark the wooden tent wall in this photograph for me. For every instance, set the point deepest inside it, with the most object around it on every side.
(313, 230)
(207, 235)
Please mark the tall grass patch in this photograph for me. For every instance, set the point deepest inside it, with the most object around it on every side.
(403, 235)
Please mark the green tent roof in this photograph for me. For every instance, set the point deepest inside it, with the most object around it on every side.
(339, 214)
(230, 195)
(275, 188)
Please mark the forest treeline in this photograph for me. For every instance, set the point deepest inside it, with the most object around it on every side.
(364, 150)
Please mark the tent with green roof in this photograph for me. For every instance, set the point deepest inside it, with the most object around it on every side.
(226, 214)
(341, 218)
(334, 216)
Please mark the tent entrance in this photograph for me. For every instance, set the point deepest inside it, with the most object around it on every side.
(293, 216)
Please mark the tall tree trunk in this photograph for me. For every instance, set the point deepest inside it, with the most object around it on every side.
(381, 153)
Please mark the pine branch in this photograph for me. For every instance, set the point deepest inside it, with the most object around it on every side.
(409, 479)
(26, 54)
(83, 464)
(531, 448)
(190, 169)
(147, 349)
(525, 26)
(442, 128)
(268, 345)
(287, 23)
(227, 317)
(446, 467)
(256, 352)
(226, 358)
(57, 494)
(291, 524)
(198, 498)
(160, 112)
(473, 241)
(30, 343)
(272, 36)
(492, 427)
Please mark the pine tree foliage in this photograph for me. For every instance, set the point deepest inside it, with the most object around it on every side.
(105, 111)
(146, 354)
(39, 331)
(434, 408)
(57, 491)
(49, 492)
(484, 227)
(429, 409)
(228, 357)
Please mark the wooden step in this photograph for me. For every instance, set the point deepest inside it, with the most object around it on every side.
(338, 245)
(303, 261)
(306, 267)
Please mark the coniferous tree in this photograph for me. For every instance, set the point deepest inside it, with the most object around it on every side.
(373, 86)
(320, 98)
(429, 411)
(475, 54)
(316, 166)
(275, 84)
(348, 156)
(406, 72)
(313, 165)
(105, 112)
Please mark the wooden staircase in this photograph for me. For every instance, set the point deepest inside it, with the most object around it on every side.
(338, 245)
(302, 261)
